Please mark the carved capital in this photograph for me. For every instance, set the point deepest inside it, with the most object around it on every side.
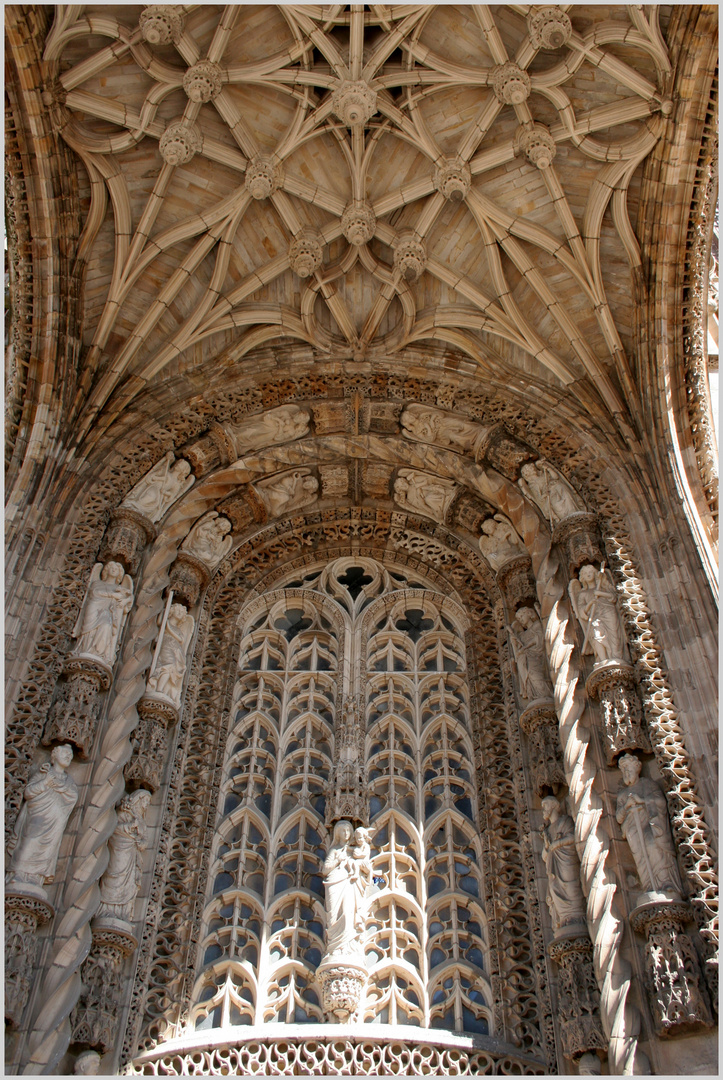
(188, 577)
(128, 533)
(579, 998)
(517, 583)
(150, 743)
(73, 717)
(342, 986)
(614, 684)
(504, 452)
(677, 995)
(579, 537)
(24, 913)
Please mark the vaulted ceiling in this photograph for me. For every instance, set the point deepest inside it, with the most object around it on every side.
(360, 179)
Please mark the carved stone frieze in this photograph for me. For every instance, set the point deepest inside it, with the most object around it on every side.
(622, 712)
(128, 533)
(94, 1019)
(539, 722)
(578, 998)
(150, 743)
(74, 715)
(24, 914)
(504, 451)
(677, 994)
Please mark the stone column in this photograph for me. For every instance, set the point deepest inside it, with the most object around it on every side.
(677, 995)
(24, 914)
(579, 998)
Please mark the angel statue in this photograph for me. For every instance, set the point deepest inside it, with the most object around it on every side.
(160, 488)
(594, 601)
(107, 603)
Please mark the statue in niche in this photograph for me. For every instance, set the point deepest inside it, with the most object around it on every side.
(564, 891)
(423, 494)
(642, 813)
(208, 540)
(499, 542)
(427, 425)
(347, 874)
(121, 881)
(528, 646)
(160, 488)
(290, 491)
(594, 601)
(543, 484)
(284, 424)
(167, 677)
(107, 603)
(50, 796)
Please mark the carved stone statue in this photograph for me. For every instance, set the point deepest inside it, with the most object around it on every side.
(208, 540)
(499, 542)
(427, 425)
(642, 813)
(543, 484)
(107, 603)
(87, 1063)
(288, 492)
(361, 853)
(122, 878)
(594, 601)
(50, 796)
(160, 488)
(344, 912)
(281, 425)
(423, 494)
(167, 678)
(564, 892)
(528, 645)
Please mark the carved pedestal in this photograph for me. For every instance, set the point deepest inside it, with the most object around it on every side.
(150, 743)
(579, 537)
(24, 913)
(188, 576)
(517, 582)
(94, 1020)
(676, 991)
(614, 685)
(579, 998)
(539, 722)
(504, 451)
(74, 715)
(128, 533)
(342, 984)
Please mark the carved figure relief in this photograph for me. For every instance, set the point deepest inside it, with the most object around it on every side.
(564, 891)
(528, 646)
(423, 494)
(208, 540)
(122, 878)
(160, 488)
(284, 424)
(289, 491)
(594, 601)
(427, 425)
(167, 677)
(642, 813)
(345, 869)
(543, 484)
(107, 603)
(50, 796)
(499, 542)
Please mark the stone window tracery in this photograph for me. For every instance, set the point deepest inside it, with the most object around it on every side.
(352, 636)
